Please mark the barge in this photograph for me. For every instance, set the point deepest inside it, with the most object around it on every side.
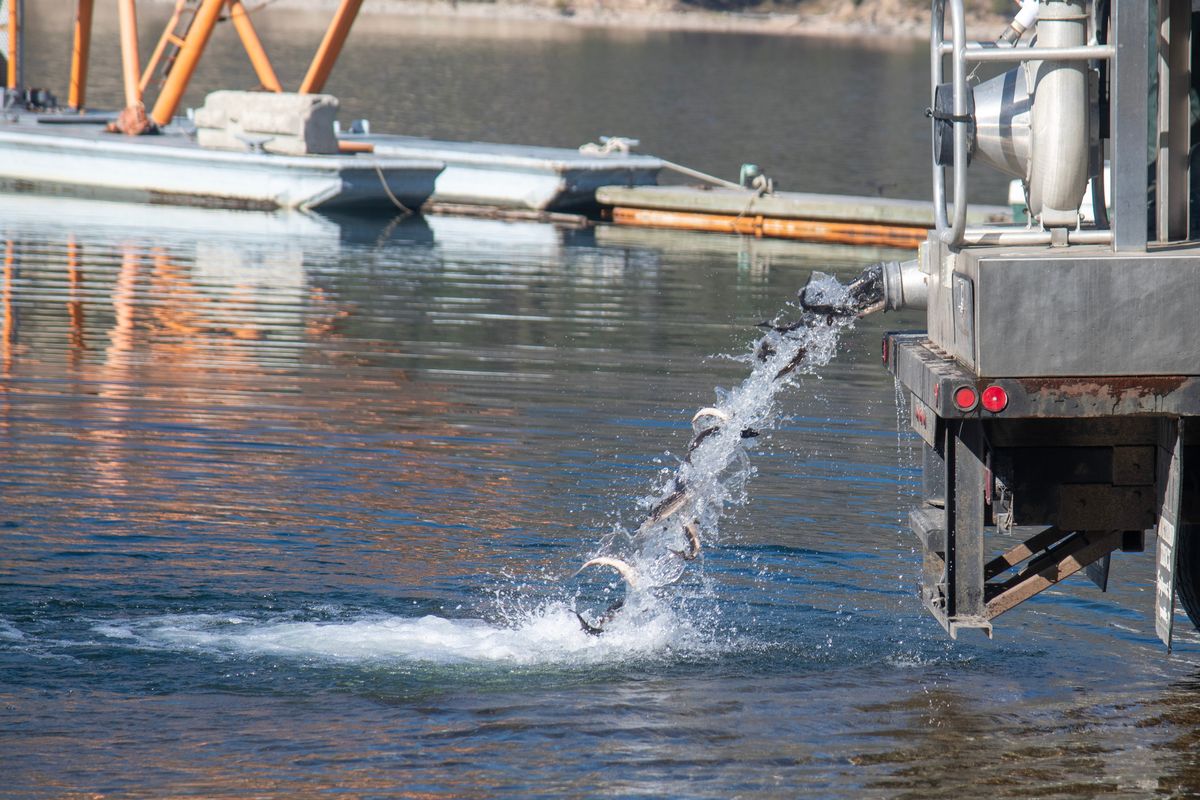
(266, 149)
(514, 176)
(51, 154)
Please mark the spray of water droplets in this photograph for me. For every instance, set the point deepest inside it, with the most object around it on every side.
(683, 512)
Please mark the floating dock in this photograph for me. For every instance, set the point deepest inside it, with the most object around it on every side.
(82, 160)
(837, 219)
(513, 176)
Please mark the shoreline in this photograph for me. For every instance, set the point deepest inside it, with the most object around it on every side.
(828, 20)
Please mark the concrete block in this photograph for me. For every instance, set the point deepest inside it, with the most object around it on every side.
(281, 122)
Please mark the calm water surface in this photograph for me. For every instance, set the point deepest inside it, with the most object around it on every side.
(291, 508)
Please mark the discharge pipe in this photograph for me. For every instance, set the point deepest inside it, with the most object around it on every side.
(905, 285)
(884, 286)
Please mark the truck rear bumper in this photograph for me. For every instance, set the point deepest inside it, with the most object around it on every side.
(933, 377)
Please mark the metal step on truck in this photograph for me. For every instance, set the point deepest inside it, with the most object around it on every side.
(1057, 387)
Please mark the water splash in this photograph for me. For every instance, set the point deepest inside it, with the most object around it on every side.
(547, 635)
(684, 510)
(660, 614)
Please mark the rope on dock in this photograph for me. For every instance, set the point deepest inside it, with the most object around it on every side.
(698, 175)
(621, 145)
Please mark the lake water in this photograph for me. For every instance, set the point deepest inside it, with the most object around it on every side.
(293, 508)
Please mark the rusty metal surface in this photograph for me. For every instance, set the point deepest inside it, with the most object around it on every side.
(1061, 561)
(932, 376)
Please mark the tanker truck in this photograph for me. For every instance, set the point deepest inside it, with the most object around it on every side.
(1056, 386)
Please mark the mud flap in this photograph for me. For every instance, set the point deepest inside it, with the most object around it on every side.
(1170, 469)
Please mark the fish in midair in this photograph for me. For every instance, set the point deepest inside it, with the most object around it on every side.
(670, 504)
(692, 531)
(796, 361)
(627, 573)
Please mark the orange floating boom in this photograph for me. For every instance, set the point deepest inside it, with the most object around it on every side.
(331, 47)
(185, 62)
(854, 233)
(254, 49)
(80, 51)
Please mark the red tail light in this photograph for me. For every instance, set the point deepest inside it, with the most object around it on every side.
(995, 399)
(966, 398)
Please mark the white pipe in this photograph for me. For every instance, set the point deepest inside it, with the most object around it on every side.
(1021, 236)
(978, 53)
(959, 222)
(937, 30)
(1026, 16)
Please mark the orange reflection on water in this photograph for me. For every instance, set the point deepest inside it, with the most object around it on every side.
(236, 416)
(9, 329)
(75, 303)
(108, 455)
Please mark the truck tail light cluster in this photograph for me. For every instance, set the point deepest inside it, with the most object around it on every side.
(994, 398)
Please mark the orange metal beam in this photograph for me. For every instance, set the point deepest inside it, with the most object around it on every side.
(185, 63)
(331, 47)
(79, 53)
(871, 234)
(254, 48)
(160, 48)
(131, 70)
(13, 76)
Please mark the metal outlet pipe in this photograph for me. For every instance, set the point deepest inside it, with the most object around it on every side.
(904, 285)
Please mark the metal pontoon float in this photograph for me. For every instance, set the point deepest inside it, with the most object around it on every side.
(84, 161)
(513, 176)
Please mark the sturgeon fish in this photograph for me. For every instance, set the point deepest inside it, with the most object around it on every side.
(692, 530)
(627, 573)
(672, 503)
